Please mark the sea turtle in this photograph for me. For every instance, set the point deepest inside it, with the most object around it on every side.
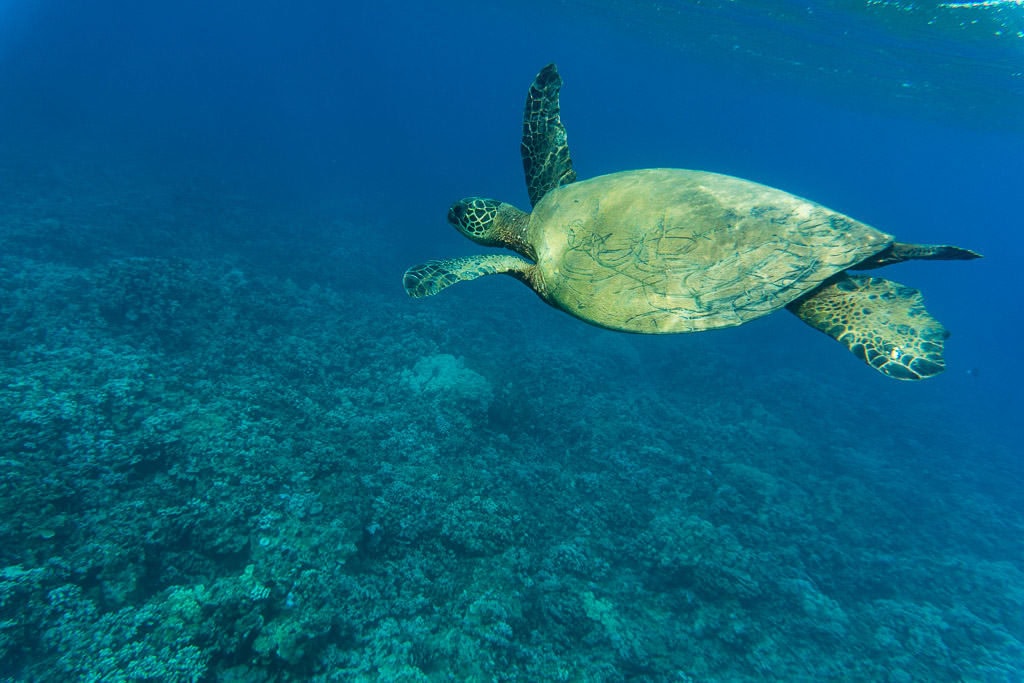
(669, 250)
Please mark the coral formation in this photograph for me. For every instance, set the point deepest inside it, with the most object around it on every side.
(212, 472)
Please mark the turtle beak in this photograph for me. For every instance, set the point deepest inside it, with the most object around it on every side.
(456, 213)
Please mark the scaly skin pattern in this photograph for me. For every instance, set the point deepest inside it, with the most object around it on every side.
(431, 277)
(545, 147)
(882, 322)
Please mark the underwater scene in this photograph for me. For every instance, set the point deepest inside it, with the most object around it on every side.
(234, 448)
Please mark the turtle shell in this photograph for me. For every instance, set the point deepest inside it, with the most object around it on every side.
(670, 250)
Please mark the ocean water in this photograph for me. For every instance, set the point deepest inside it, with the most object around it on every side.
(233, 449)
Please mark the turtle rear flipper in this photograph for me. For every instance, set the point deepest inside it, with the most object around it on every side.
(545, 149)
(431, 277)
(882, 322)
(897, 252)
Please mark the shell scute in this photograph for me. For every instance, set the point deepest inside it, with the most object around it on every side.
(670, 250)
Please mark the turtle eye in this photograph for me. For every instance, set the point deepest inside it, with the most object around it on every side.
(456, 213)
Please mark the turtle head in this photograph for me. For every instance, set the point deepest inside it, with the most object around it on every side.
(491, 223)
(477, 219)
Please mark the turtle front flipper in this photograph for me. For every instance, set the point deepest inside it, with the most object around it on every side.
(545, 149)
(427, 279)
(882, 322)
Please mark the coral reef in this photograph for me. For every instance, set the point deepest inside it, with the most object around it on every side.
(217, 469)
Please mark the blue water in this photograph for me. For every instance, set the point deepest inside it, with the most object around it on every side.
(233, 449)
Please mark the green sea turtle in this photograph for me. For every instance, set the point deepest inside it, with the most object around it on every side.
(669, 250)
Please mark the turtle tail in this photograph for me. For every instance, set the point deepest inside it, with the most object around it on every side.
(898, 252)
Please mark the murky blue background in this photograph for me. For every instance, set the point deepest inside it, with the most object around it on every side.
(322, 143)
